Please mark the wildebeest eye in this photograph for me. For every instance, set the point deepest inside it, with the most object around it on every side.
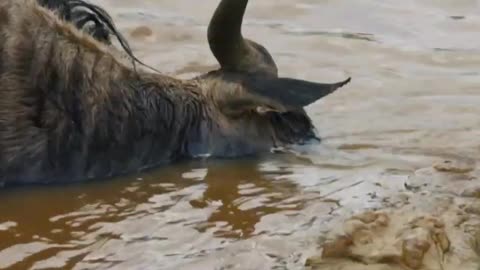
(93, 26)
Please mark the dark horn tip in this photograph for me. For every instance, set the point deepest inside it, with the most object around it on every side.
(340, 84)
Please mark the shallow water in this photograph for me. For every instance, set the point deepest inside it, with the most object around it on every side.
(413, 100)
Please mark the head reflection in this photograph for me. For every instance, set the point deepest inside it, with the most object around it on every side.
(242, 194)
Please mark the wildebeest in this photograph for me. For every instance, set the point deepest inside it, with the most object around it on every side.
(72, 108)
(83, 16)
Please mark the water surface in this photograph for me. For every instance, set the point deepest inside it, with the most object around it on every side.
(414, 99)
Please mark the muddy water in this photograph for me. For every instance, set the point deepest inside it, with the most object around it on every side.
(414, 100)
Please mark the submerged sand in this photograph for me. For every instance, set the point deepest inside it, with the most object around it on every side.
(432, 224)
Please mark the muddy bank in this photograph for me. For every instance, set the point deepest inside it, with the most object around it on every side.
(431, 223)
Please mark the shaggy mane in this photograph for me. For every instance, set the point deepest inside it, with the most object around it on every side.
(80, 13)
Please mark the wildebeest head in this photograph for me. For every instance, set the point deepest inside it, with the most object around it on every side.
(256, 103)
(250, 106)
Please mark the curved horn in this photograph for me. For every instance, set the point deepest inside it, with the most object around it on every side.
(291, 92)
(227, 44)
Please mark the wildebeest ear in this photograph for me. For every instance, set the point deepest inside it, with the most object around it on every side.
(290, 92)
(232, 51)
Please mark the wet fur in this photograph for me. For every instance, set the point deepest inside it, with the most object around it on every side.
(83, 18)
(73, 109)
(93, 20)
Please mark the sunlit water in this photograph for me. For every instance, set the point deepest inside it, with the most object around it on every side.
(414, 99)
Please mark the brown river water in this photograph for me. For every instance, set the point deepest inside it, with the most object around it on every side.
(414, 101)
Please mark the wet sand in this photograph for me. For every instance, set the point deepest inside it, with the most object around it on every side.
(412, 105)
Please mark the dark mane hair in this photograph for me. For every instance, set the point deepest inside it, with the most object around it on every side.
(92, 19)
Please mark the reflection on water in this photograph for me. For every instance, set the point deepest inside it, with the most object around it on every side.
(413, 100)
(166, 209)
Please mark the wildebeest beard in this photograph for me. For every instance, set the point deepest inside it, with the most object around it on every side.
(73, 108)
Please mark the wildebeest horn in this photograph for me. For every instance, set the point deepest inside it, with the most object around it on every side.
(232, 51)
(291, 92)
